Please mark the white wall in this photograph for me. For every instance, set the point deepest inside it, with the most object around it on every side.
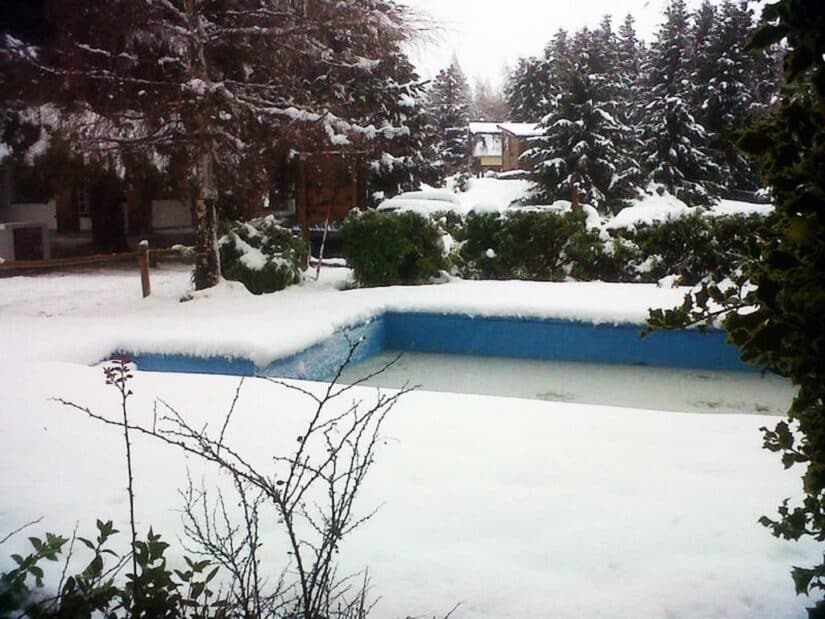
(170, 214)
(41, 213)
(7, 244)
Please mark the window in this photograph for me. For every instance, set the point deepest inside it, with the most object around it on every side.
(83, 205)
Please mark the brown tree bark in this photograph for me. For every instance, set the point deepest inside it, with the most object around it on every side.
(207, 261)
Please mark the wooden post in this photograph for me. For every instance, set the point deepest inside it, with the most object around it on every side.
(575, 196)
(143, 260)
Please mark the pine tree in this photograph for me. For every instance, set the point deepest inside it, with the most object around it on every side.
(488, 103)
(527, 89)
(395, 97)
(730, 87)
(585, 144)
(676, 154)
(449, 107)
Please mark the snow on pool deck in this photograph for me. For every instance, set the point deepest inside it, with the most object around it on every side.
(516, 508)
(106, 313)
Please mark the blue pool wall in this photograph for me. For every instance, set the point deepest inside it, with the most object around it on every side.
(523, 338)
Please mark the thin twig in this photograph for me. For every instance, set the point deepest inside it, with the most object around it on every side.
(21, 528)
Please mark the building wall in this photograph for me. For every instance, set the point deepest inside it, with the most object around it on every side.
(509, 156)
(41, 213)
(168, 214)
(490, 162)
(7, 245)
(513, 148)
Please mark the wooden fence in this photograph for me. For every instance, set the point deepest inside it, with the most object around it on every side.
(141, 258)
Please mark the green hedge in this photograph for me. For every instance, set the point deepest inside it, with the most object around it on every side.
(542, 245)
(262, 255)
(385, 249)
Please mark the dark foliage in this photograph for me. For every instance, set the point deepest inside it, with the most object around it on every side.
(285, 255)
(154, 590)
(385, 249)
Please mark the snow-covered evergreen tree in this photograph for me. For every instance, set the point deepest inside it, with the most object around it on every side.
(449, 107)
(488, 102)
(395, 96)
(731, 85)
(676, 154)
(527, 90)
(630, 94)
(585, 144)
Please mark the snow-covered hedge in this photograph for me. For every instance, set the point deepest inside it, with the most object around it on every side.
(558, 245)
(545, 244)
(389, 248)
(532, 245)
(262, 255)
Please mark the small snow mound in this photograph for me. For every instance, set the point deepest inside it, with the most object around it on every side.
(422, 207)
(651, 208)
(736, 207)
(668, 281)
(436, 195)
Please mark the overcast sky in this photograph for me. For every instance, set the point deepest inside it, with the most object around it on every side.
(490, 35)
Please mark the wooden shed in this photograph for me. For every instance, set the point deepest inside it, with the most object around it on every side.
(328, 185)
(515, 142)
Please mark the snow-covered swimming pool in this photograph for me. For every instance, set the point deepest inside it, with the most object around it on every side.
(488, 336)
(554, 360)
(657, 388)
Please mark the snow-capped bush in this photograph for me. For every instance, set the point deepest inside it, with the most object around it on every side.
(546, 244)
(262, 255)
(533, 244)
(389, 248)
(691, 248)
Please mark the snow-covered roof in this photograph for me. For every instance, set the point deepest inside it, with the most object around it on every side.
(481, 127)
(521, 130)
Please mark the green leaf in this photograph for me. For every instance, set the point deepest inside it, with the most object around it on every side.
(802, 579)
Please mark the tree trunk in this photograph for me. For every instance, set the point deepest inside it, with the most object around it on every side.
(207, 262)
(204, 192)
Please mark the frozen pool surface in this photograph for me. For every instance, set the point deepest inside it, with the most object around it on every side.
(690, 391)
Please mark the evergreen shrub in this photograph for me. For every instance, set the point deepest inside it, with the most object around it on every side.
(531, 245)
(545, 245)
(262, 255)
(386, 249)
(693, 247)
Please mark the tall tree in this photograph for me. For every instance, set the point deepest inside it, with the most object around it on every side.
(731, 87)
(676, 153)
(449, 106)
(526, 90)
(211, 82)
(488, 102)
(585, 145)
(628, 67)
(396, 97)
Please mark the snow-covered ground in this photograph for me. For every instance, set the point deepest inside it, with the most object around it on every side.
(515, 508)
